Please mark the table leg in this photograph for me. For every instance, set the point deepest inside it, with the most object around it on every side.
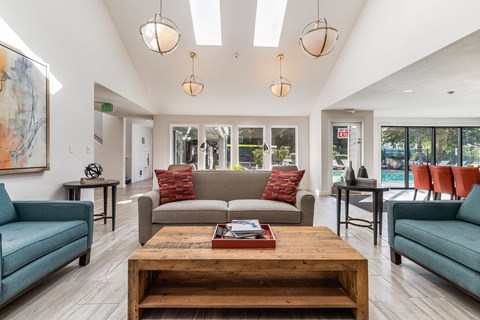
(114, 205)
(380, 212)
(71, 194)
(105, 204)
(339, 208)
(375, 216)
(77, 191)
(347, 205)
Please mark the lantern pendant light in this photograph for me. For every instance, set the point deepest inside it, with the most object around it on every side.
(192, 85)
(280, 87)
(160, 34)
(318, 37)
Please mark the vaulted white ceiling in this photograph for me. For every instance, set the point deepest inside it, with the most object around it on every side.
(240, 85)
(233, 86)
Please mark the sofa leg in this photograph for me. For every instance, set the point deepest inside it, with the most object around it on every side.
(85, 258)
(395, 257)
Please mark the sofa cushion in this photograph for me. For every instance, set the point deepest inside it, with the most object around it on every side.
(266, 211)
(175, 185)
(24, 242)
(470, 208)
(191, 211)
(456, 239)
(229, 185)
(7, 210)
(282, 185)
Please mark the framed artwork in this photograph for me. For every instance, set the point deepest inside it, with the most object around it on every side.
(24, 113)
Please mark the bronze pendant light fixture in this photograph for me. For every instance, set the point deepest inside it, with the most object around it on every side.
(160, 34)
(192, 85)
(318, 37)
(280, 87)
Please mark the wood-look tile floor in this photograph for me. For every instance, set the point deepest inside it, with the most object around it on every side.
(99, 290)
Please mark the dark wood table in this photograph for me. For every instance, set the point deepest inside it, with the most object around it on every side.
(74, 190)
(377, 193)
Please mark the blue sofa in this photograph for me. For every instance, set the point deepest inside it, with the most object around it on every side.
(39, 237)
(441, 236)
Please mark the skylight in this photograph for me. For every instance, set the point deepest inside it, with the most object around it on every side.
(206, 22)
(269, 22)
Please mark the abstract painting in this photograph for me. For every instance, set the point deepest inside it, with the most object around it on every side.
(24, 113)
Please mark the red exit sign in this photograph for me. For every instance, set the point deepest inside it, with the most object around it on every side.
(342, 133)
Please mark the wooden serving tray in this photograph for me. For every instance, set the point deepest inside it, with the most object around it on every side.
(221, 242)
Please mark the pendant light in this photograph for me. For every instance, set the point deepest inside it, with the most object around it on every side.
(282, 86)
(318, 37)
(192, 85)
(160, 34)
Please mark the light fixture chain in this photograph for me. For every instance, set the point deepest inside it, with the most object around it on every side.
(161, 8)
(193, 65)
(318, 10)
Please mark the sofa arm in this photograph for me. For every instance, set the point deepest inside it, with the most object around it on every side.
(305, 202)
(56, 211)
(146, 204)
(420, 210)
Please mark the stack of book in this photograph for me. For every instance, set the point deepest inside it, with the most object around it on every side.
(243, 229)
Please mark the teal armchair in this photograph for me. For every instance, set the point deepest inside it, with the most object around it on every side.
(39, 237)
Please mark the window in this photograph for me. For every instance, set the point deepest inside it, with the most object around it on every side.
(471, 147)
(393, 156)
(444, 146)
(283, 146)
(185, 145)
(250, 148)
(217, 147)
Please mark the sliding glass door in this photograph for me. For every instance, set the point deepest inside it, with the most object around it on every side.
(443, 146)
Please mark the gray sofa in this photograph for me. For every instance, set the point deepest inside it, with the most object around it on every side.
(222, 196)
(39, 237)
(442, 236)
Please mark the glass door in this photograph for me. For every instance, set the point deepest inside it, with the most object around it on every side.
(347, 146)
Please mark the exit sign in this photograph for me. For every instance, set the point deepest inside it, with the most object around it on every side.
(342, 133)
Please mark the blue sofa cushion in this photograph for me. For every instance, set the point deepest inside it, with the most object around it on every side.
(7, 210)
(456, 239)
(470, 208)
(24, 242)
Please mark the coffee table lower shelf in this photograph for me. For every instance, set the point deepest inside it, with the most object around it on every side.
(246, 297)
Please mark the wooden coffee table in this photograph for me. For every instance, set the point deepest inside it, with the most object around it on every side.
(311, 267)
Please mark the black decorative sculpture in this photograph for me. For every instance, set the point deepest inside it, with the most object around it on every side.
(93, 171)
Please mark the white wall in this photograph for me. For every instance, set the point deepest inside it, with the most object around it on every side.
(110, 155)
(139, 151)
(79, 53)
(390, 34)
(162, 135)
(128, 151)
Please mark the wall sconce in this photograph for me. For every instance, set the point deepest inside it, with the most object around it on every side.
(3, 77)
(203, 147)
(266, 148)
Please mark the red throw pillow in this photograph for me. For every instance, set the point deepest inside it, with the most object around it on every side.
(175, 185)
(282, 185)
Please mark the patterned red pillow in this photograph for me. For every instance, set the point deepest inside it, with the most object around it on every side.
(175, 185)
(282, 185)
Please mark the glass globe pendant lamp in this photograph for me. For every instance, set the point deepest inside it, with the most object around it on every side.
(160, 34)
(281, 86)
(192, 85)
(318, 37)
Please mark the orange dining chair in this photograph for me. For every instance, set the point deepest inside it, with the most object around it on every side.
(422, 180)
(465, 178)
(442, 181)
